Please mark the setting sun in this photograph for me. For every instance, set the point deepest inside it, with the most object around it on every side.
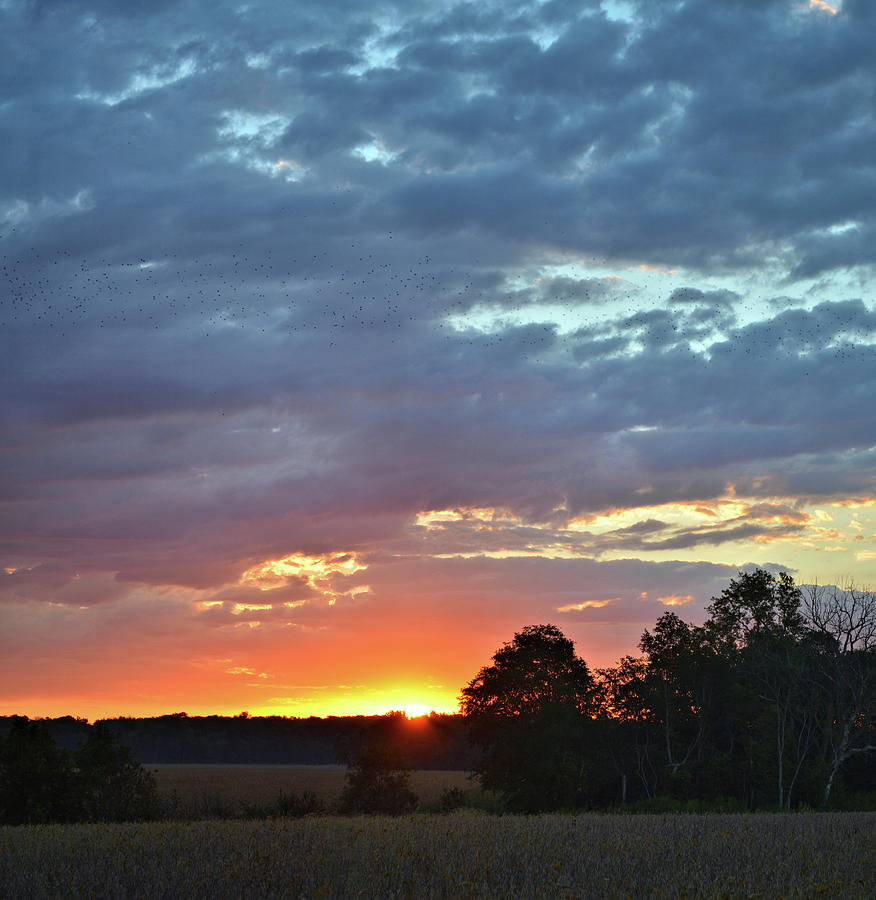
(414, 710)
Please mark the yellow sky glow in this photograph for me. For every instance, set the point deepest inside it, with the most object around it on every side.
(356, 700)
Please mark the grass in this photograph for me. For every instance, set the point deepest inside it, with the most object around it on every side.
(465, 854)
(195, 791)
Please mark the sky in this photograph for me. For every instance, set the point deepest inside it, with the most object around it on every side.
(342, 339)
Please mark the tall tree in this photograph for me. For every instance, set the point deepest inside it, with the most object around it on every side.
(675, 675)
(629, 728)
(756, 602)
(529, 714)
(778, 666)
(757, 624)
(842, 633)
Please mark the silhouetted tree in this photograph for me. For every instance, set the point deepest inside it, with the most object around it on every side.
(677, 686)
(378, 782)
(528, 713)
(112, 786)
(628, 732)
(842, 636)
(810, 659)
(36, 776)
(757, 627)
(755, 603)
(42, 782)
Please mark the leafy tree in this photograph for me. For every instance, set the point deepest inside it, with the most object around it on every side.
(758, 627)
(113, 787)
(529, 714)
(755, 603)
(628, 732)
(378, 782)
(667, 708)
(36, 776)
(810, 659)
(678, 686)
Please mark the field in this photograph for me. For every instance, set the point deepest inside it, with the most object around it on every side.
(203, 789)
(456, 855)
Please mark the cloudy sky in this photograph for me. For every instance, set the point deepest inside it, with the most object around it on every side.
(341, 339)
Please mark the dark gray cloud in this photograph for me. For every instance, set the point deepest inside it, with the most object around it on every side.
(634, 138)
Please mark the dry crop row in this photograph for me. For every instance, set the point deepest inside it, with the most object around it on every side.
(448, 856)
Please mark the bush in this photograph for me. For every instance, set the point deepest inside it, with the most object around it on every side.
(297, 805)
(378, 782)
(113, 787)
(451, 799)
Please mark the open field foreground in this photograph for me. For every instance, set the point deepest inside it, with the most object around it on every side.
(455, 855)
(203, 787)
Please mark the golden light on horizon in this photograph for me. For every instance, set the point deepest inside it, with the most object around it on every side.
(361, 700)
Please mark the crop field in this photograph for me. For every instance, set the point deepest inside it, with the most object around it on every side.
(462, 854)
(197, 789)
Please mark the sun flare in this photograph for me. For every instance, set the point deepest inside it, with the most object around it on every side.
(415, 710)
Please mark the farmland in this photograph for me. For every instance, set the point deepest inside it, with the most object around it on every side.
(196, 790)
(462, 854)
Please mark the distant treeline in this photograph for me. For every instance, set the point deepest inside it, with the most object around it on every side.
(436, 741)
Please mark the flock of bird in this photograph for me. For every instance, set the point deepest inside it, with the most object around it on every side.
(353, 289)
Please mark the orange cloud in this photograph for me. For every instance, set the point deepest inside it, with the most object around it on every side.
(586, 604)
(674, 600)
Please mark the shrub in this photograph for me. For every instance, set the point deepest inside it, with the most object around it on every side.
(451, 799)
(378, 782)
(113, 787)
(297, 805)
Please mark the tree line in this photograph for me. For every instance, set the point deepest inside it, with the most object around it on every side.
(436, 741)
(770, 703)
